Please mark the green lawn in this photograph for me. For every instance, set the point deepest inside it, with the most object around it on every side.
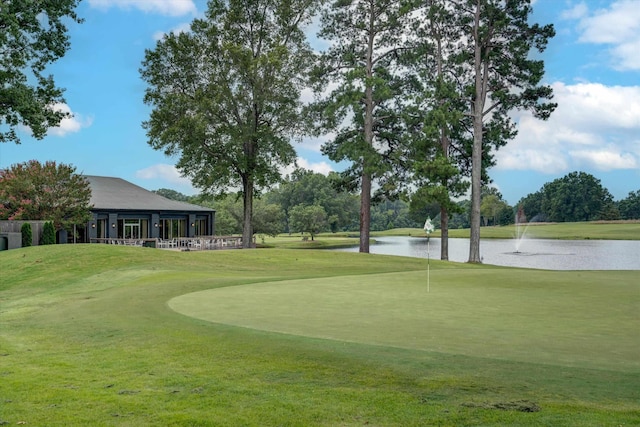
(106, 335)
(615, 230)
(620, 230)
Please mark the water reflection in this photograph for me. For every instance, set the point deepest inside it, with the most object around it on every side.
(533, 253)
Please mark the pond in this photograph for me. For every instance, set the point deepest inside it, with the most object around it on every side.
(533, 253)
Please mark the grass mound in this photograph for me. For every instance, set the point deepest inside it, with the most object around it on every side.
(87, 337)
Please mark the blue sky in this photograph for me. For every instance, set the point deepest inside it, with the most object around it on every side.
(593, 64)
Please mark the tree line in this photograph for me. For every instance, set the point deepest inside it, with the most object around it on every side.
(309, 202)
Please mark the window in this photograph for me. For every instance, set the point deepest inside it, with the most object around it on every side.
(172, 228)
(201, 227)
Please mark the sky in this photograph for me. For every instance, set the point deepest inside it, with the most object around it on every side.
(593, 65)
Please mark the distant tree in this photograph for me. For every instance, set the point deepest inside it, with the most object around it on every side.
(388, 214)
(506, 215)
(172, 194)
(489, 209)
(35, 191)
(228, 213)
(226, 95)
(532, 206)
(33, 34)
(305, 187)
(463, 218)
(27, 235)
(630, 206)
(578, 196)
(310, 219)
(494, 209)
(268, 218)
(48, 234)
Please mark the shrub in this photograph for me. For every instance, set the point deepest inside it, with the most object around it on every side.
(48, 234)
(27, 235)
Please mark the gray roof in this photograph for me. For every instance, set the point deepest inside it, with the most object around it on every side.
(118, 194)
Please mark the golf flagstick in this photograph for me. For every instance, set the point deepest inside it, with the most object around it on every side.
(428, 228)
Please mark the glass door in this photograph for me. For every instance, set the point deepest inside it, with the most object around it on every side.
(131, 229)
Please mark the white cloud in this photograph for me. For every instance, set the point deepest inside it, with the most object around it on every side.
(594, 126)
(70, 125)
(163, 172)
(182, 28)
(578, 11)
(617, 26)
(314, 143)
(163, 7)
(605, 160)
(320, 167)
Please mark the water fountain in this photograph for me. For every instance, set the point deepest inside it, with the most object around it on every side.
(521, 229)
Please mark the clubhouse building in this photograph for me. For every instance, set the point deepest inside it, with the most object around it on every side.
(122, 210)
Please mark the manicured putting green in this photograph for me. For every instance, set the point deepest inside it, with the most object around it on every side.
(562, 318)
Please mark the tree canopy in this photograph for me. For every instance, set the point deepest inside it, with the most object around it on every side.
(226, 95)
(49, 191)
(629, 207)
(33, 34)
(311, 219)
(578, 196)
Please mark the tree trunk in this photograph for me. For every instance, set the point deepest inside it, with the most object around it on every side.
(476, 188)
(365, 198)
(247, 228)
(365, 212)
(444, 143)
(477, 109)
(444, 234)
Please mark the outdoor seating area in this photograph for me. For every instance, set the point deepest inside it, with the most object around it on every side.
(123, 242)
(179, 243)
(200, 243)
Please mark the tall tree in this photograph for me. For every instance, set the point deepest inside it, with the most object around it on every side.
(33, 34)
(226, 95)
(363, 108)
(503, 76)
(49, 191)
(440, 161)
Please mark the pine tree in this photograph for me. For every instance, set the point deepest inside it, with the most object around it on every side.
(503, 77)
(365, 104)
(27, 235)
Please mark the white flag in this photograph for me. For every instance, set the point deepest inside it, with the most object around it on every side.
(428, 226)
